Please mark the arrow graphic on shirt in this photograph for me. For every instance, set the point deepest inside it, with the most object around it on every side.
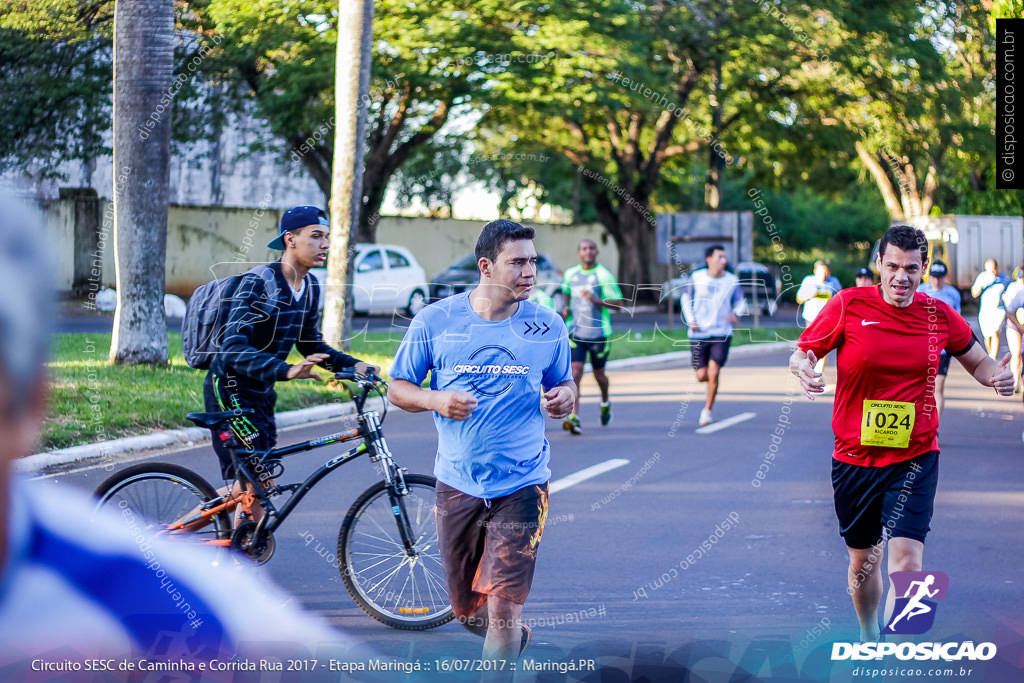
(535, 328)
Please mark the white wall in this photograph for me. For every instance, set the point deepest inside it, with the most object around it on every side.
(208, 242)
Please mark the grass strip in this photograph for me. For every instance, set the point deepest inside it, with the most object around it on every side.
(93, 401)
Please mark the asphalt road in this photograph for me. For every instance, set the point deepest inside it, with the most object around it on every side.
(621, 578)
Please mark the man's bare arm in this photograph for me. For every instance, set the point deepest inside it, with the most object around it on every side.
(986, 370)
(457, 405)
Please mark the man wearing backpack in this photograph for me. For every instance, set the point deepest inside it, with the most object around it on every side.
(272, 309)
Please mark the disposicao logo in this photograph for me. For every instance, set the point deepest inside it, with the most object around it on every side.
(914, 614)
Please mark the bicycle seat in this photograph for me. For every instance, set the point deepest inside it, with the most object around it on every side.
(214, 420)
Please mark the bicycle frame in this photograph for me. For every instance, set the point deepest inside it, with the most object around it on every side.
(374, 444)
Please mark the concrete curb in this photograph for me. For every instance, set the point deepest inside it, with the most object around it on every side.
(196, 435)
(754, 349)
(173, 437)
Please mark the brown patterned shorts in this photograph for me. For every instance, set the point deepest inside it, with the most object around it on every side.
(489, 547)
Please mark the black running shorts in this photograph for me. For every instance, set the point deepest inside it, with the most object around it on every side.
(702, 351)
(598, 349)
(896, 500)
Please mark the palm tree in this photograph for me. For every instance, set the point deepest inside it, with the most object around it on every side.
(143, 70)
(351, 93)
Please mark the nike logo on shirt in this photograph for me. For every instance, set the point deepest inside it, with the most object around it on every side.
(865, 323)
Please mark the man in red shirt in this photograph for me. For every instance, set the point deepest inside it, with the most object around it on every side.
(885, 464)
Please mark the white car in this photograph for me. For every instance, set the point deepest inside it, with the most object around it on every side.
(387, 278)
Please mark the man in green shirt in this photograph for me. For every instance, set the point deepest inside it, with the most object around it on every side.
(590, 293)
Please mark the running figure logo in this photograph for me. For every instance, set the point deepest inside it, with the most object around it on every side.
(914, 612)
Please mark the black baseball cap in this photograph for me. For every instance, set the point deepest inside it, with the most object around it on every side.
(296, 219)
(865, 272)
(938, 269)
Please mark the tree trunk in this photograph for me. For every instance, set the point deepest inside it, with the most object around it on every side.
(354, 19)
(143, 70)
(634, 239)
(892, 201)
(713, 182)
(319, 169)
(385, 158)
(374, 187)
(359, 217)
(629, 227)
(899, 185)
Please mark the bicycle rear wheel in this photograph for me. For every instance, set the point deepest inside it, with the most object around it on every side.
(161, 494)
(405, 592)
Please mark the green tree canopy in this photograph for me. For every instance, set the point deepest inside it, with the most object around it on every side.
(52, 56)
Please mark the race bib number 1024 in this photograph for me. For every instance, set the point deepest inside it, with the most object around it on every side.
(887, 423)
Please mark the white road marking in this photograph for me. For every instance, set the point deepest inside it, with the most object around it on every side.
(587, 473)
(727, 422)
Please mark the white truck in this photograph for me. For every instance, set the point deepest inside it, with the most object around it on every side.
(963, 243)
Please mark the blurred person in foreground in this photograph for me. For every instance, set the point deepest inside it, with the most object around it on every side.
(72, 590)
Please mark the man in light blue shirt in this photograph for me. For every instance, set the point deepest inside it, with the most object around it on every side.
(490, 352)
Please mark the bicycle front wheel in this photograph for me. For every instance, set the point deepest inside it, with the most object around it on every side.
(401, 589)
(159, 494)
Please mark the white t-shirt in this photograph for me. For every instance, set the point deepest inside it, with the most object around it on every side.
(708, 301)
(815, 294)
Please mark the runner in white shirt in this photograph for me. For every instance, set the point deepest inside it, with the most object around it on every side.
(988, 288)
(1013, 336)
(711, 303)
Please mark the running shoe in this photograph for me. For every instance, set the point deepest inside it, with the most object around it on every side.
(705, 417)
(572, 424)
(606, 413)
(527, 637)
(481, 631)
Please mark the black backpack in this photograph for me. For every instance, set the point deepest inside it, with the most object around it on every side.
(206, 315)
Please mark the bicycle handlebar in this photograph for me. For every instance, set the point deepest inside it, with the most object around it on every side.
(368, 383)
(351, 376)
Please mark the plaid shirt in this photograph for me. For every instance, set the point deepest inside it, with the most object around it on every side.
(260, 333)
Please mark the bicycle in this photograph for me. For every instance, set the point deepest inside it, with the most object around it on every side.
(387, 545)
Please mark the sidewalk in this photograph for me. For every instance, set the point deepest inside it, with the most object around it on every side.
(193, 436)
